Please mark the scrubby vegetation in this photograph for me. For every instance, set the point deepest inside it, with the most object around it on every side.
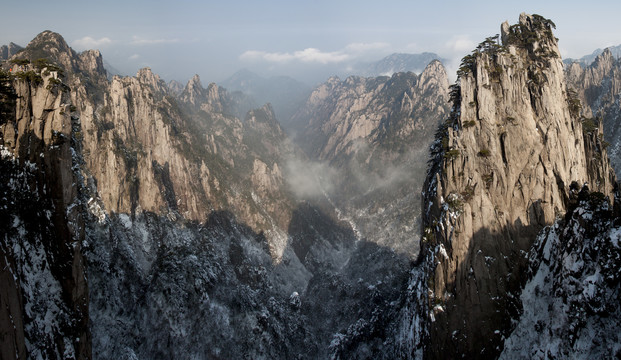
(484, 153)
(452, 154)
(20, 62)
(7, 97)
(575, 107)
(468, 124)
(589, 125)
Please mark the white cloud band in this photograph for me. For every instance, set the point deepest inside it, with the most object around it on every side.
(313, 55)
(88, 42)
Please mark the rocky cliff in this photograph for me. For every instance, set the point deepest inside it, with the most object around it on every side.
(598, 87)
(184, 213)
(45, 293)
(342, 114)
(587, 60)
(136, 212)
(374, 133)
(129, 147)
(501, 169)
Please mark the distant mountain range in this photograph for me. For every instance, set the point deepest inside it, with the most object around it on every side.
(111, 70)
(6, 51)
(588, 59)
(287, 94)
(400, 63)
(284, 93)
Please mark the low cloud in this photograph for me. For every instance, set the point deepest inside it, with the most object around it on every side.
(134, 57)
(310, 55)
(364, 47)
(308, 179)
(88, 42)
(313, 55)
(137, 40)
(461, 44)
(456, 49)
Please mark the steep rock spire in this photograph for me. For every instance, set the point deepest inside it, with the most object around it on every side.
(500, 171)
(193, 91)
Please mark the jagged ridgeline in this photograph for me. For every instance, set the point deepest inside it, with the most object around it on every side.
(501, 169)
(163, 223)
(88, 150)
(44, 312)
(142, 220)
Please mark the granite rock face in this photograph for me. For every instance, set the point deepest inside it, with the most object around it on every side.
(340, 114)
(136, 212)
(183, 212)
(45, 292)
(86, 146)
(598, 87)
(373, 133)
(501, 170)
(570, 302)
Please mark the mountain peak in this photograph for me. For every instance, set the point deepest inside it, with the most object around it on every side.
(533, 32)
(195, 81)
(501, 172)
(400, 62)
(605, 56)
(51, 46)
(48, 35)
(6, 51)
(193, 90)
(48, 40)
(146, 76)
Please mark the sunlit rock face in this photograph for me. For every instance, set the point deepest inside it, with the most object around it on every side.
(146, 220)
(45, 291)
(501, 171)
(177, 212)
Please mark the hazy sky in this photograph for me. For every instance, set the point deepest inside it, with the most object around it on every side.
(300, 38)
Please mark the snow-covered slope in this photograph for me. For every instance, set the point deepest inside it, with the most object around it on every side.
(571, 303)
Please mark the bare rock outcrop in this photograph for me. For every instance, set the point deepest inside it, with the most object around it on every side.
(185, 157)
(342, 113)
(46, 303)
(193, 90)
(598, 87)
(501, 170)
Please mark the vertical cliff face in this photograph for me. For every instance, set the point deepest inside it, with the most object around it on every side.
(45, 312)
(501, 170)
(186, 156)
(184, 217)
(342, 114)
(73, 140)
(598, 87)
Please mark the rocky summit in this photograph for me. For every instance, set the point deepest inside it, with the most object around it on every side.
(501, 170)
(141, 219)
